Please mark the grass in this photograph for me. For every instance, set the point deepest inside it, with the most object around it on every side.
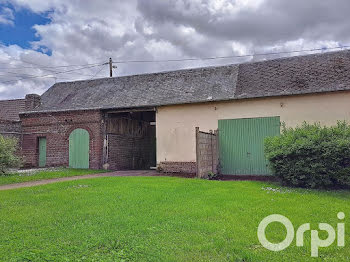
(160, 219)
(45, 174)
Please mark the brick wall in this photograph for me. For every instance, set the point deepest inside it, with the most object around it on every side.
(131, 143)
(207, 154)
(128, 152)
(56, 127)
(178, 167)
(32, 101)
(10, 128)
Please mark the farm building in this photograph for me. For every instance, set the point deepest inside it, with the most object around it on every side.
(10, 124)
(143, 121)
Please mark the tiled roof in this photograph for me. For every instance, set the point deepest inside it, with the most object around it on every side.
(316, 73)
(10, 109)
(295, 75)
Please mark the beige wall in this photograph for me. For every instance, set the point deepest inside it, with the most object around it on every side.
(176, 124)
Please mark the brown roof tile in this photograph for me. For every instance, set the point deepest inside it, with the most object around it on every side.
(9, 109)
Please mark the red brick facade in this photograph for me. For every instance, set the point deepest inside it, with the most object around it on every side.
(127, 152)
(56, 127)
(10, 128)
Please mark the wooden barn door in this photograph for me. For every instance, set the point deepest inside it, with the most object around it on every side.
(79, 147)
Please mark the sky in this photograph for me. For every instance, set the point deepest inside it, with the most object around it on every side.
(47, 41)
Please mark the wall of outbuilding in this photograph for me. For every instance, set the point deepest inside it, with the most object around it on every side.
(176, 124)
(10, 128)
(56, 127)
(131, 143)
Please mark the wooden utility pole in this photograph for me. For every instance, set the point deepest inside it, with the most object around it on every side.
(110, 67)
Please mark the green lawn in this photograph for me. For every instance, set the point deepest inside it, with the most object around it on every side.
(45, 174)
(160, 219)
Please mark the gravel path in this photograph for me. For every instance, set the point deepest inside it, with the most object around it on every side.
(62, 179)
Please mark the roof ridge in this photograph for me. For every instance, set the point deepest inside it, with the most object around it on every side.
(152, 73)
(295, 75)
(209, 67)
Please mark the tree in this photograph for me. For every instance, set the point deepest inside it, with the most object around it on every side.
(8, 154)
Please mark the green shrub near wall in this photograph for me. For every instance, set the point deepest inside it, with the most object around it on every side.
(311, 155)
(8, 157)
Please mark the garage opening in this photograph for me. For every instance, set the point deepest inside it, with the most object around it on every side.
(241, 145)
(130, 142)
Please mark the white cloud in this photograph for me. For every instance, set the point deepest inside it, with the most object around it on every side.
(89, 31)
(6, 16)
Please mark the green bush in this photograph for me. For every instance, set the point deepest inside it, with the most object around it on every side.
(311, 155)
(8, 157)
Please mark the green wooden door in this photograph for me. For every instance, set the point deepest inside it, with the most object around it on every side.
(42, 151)
(79, 148)
(242, 145)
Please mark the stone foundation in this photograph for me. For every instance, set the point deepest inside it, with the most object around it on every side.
(178, 167)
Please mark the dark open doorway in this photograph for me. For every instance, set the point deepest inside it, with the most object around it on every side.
(130, 142)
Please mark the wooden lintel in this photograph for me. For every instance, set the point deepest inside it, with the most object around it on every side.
(153, 109)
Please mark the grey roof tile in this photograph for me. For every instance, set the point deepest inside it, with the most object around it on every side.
(324, 72)
(295, 75)
(176, 87)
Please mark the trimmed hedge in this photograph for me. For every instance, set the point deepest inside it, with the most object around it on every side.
(311, 156)
(8, 157)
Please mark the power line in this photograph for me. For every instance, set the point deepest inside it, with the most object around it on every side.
(179, 60)
(62, 72)
(114, 71)
(97, 72)
(23, 74)
(155, 61)
(226, 57)
(31, 63)
(42, 66)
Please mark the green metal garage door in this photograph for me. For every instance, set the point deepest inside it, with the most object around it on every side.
(242, 144)
(79, 149)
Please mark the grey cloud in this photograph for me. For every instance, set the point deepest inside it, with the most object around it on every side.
(89, 31)
(273, 21)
